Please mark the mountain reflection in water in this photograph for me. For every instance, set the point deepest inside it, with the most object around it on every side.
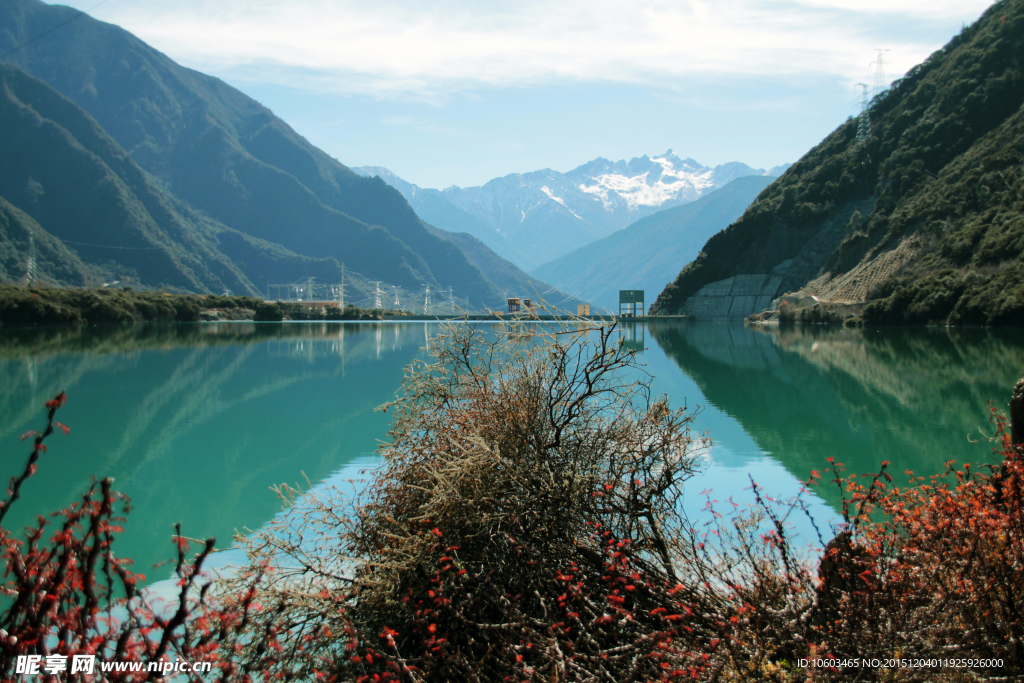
(915, 397)
(196, 422)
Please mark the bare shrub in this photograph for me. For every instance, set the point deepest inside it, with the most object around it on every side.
(526, 522)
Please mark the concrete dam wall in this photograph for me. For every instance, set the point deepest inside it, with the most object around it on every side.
(734, 298)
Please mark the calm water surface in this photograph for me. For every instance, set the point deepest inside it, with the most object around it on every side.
(196, 422)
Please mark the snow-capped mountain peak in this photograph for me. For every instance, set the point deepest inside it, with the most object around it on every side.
(534, 217)
(649, 182)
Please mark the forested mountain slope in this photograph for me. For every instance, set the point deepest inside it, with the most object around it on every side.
(63, 171)
(512, 281)
(88, 202)
(21, 238)
(225, 154)
(924, 215)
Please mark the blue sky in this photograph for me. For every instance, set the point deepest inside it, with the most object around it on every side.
(456, 92)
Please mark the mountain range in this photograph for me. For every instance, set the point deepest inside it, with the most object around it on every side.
(120, 163)
(532, 218)
(648, 254)
(916, 206)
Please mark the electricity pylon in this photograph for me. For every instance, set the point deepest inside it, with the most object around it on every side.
(30, 270)
(864, 122)
(879, 63)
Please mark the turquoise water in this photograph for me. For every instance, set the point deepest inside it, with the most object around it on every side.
(197, 422)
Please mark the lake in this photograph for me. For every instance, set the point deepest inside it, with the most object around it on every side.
(196, 422)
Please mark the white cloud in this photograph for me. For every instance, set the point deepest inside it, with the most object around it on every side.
(401, 48)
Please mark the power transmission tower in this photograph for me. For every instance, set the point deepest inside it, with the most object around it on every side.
(451, 300)
(426, 302)
(30, 270)
(308, 291)
(879, 63)
(864, 122)
(398, 306)
(342, 302)
(376, 298)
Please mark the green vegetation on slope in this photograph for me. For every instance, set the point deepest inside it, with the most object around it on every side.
(509, 278)
(935, 188)
(230, 157)
(63, 171)
(95, 215)
(46, 305)
(21, 238)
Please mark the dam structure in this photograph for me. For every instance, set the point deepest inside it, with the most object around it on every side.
(736, 297)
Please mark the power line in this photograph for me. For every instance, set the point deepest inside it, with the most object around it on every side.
(49, 31)
(103, 246)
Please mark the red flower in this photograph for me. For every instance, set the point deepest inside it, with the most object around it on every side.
(57, 401)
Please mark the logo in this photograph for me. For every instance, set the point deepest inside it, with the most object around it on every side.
(52, 664)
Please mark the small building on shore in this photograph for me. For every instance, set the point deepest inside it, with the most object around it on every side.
(631, 303)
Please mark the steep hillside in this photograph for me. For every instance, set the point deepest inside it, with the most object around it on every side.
(922, 214)
(22, 240)
(76, 184)
(96, 216)
(225, 154)
(491, 256)
(646, 255)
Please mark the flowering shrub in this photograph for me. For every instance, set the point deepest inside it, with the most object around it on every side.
(943, 565)
(67, 594)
